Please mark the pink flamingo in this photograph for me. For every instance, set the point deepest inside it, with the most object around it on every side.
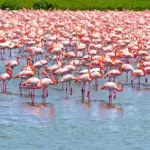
(42, 63)
(68, 78)
(5, 77)
(85, 78)
(24, 75)
(114, 74)
(49, 80)
(137, 74)
(112, 88)
(13, 63)
(32, 84)
(127, 68)
(96, 74)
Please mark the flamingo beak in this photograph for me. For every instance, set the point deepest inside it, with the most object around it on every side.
(102, 88)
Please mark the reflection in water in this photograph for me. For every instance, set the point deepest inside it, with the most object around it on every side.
(40, 110)
(87, 104)
(109, 110)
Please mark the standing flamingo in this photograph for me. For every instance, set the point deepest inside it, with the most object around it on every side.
(13, 63)
(85, 78)
(112, 88)
(5, 77)
(137, 74)
(49, 80)
(114, 74)
(127, 68)
(68, 78)
(33, 84)
(24, 75)
(42, 63)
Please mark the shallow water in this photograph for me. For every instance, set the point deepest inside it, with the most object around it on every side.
(72, 124)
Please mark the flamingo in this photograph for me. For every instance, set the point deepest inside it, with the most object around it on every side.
(32, 84)
(27, 66)
(5, 77)
(13, 63)
(68, 78)
(96, 74)
(85, 78)
(24, 75)
(112, 88)
(47, 82)
(127, 68)
(137, 74)
(42, 63)
(113, 73)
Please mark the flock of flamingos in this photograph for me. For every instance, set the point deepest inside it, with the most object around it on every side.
(65, 47)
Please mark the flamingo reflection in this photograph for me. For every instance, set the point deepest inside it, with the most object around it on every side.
(39, 110)
(107, 109)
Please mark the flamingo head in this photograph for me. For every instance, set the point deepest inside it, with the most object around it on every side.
(44, 73)
(140, 63)
(66, 55)
(135, 54)
(47, 55)
(46, 68)
(29, 59)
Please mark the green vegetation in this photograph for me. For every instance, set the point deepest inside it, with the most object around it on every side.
(76, 4)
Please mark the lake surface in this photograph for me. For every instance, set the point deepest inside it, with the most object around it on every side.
(72, 124)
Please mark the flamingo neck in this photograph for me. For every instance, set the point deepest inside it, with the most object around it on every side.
(101, 71)
(52, 77)
(47, 59)
(144, 73)
(32, 68)
(140, 63)
(40, 82)
(89, 72)
(9, 72)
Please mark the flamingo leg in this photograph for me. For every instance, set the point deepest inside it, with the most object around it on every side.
(62, 86)
(70, 88)
(114, 79)
(83, 90)
(105, 70)
(20, 88)
(3, 86)
(110, 98)
(10, 54)
(146, 79)
(46, 91)
(33, 93)
(88, 93)
(96, 84)
(133, 80)
(43, 90)
(66, 90)
(126, 76)
(6, 84)
(32, 99)
(114, 92)
(29, 93)
(139, 84)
